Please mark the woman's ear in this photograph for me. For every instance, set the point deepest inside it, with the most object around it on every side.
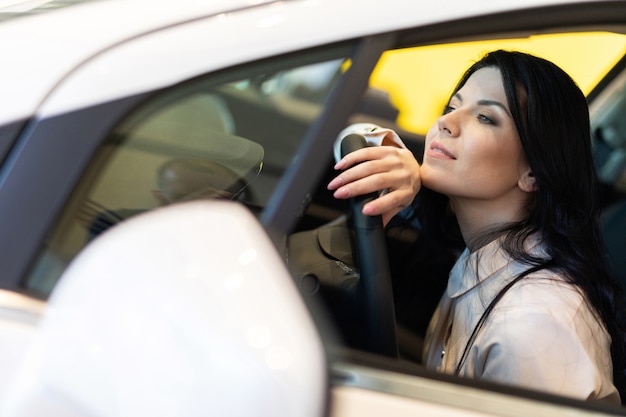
(527, 181)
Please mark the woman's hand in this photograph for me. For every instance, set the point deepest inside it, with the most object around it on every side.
(374, 169)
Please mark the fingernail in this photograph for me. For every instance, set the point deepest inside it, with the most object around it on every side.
(368, 210)
(341, 193)
(335, 183)
(341, 164)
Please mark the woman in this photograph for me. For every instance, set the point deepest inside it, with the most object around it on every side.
(530, 301)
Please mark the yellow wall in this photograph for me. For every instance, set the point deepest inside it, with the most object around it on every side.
(419, 80)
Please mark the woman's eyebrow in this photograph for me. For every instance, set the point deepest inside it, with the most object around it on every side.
(485, 102)
(495, 103)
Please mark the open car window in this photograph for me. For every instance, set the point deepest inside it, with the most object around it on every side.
(409, 89)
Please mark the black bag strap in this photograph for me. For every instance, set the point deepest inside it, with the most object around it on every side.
(483, 318)
(481, 323)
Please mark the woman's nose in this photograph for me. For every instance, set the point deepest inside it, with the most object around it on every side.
(447, 124)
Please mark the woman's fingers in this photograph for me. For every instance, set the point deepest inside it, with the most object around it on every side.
(364, 179)
(384, 168)
(361, 155)
(376, 169)
(390, 202)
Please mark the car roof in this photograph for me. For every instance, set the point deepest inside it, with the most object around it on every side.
(44, 44)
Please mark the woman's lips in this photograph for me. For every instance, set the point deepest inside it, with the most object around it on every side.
(437, 150)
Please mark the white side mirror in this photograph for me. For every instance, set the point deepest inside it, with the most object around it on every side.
(183, 311)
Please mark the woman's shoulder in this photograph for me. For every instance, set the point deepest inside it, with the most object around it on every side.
(547, 295)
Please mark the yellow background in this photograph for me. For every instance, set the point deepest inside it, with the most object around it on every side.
(419, 80)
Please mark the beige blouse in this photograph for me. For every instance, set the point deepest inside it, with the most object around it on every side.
(541, 335)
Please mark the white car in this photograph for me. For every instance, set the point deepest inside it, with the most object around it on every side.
(168, 243)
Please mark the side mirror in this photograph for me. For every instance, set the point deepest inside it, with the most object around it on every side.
(185, 310)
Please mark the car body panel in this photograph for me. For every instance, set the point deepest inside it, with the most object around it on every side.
(364, 390)
(19, 318)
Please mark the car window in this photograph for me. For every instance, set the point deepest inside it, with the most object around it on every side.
(609, 132)
(230, 136)
(417, 81)
(407, 91)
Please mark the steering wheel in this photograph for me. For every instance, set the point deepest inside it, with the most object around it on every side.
(373, 291)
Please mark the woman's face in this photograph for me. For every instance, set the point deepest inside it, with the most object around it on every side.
(473, 151)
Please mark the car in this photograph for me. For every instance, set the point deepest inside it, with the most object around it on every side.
(169, 246)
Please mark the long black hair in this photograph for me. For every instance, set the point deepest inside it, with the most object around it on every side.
(552, 119)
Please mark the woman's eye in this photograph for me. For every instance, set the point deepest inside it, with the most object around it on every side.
(448, 109)
(484, 119)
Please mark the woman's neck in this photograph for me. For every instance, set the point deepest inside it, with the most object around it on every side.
(477, 218)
